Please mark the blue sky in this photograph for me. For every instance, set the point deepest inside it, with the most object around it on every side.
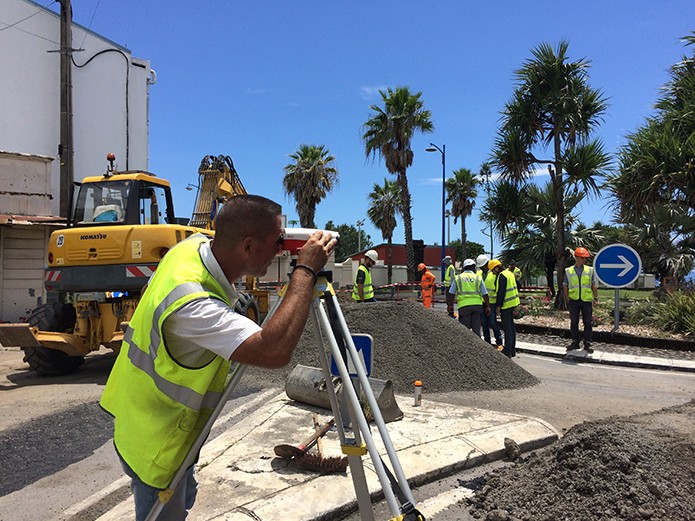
(254, 80)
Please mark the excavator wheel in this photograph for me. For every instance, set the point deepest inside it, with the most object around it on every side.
(55, 317)
(247, 306)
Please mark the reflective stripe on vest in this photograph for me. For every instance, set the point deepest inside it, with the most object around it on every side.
(579, 289)
(159, 405)
(490, 281)
(511, 296)
(468, 290)
(367, 288)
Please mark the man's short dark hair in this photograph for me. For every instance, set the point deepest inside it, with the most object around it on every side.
(245, 216)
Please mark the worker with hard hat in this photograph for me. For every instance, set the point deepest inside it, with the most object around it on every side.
(363, 289)
(449, 273)
(507, 299)
(471, 297)
(427, 283)
(516, 271)
(581, 293)
(490, 321)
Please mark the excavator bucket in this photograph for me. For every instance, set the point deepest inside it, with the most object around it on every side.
(307, 385)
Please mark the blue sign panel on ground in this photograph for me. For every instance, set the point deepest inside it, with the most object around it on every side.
(363, 344)
(617, 265)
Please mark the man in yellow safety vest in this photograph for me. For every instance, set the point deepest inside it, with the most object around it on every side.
(581, 293)
(176, 352)
(363, 289)
(471, 297)
(507, 300)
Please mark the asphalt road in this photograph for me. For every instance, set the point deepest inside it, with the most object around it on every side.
(55, 446)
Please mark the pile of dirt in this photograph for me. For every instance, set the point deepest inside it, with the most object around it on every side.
(632, 468)
(414, 343)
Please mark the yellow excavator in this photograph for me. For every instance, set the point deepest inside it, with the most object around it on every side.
(122, 224)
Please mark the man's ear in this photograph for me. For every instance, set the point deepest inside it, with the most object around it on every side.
(247, 245)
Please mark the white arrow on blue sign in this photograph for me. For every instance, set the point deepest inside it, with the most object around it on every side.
(617, 265)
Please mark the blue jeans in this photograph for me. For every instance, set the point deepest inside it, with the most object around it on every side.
(490, 321)
(146, 496)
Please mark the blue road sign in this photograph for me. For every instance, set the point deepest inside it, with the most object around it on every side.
(363, 344)
(617, 265)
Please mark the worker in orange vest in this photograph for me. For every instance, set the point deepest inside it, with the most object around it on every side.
(427, 284)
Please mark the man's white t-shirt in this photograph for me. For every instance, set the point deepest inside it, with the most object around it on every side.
(201, 329)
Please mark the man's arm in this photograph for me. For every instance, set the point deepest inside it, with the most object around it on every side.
(272, 347)
(501, 290)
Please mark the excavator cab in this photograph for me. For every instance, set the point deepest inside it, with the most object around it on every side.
(132, 200)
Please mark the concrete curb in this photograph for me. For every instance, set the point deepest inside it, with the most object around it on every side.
(601, 357)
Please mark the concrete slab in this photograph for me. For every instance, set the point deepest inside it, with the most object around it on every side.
(241, 478)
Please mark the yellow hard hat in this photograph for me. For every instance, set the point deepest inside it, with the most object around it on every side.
(493, 264)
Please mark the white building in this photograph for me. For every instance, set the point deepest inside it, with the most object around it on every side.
(110, 95)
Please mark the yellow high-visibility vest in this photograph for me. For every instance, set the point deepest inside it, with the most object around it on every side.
(159, 406)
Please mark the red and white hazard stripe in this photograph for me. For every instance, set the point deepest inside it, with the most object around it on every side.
(53, 275)
(140, 271)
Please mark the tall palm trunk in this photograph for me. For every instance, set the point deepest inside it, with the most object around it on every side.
(389, 259)
(464, 238)
(558, 190)
(407, 225)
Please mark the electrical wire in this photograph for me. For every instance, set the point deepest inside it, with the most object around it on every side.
(127, 88)
(89, 27)
(23, 19)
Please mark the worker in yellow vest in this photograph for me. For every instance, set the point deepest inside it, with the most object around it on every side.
(581, 293)
(363, 288)
(427, 283)
(471, 297)
(176, 352)
(449, 272)
(507, 300)
(516, 271)
(490, 321)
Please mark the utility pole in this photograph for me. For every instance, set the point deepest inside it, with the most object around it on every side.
(65, 149)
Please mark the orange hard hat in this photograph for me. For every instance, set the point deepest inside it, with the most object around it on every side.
(582, 252)
(421, 266)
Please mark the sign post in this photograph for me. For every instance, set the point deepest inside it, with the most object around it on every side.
(617, 266)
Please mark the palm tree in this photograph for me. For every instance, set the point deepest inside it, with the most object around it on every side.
(653, 188)
(387, 133)
(384, 206)
(528, 216)
(461, 193)
(553, 108)
(309, 179)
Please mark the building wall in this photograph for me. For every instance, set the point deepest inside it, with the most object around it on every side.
(110, 114)
(30, 101)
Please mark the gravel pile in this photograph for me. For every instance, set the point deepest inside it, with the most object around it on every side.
(414, 343)
(633, 468)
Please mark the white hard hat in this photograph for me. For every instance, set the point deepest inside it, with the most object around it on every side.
(372, 255)
(468, 262)
(447, 258)
(481, 260)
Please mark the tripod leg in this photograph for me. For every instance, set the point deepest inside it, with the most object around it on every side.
(359, 480)
(359, 420)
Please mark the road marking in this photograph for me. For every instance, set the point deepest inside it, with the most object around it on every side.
(96, 497)
(441, 502)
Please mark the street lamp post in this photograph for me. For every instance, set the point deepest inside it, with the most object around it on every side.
(442, 151)
(360, 223)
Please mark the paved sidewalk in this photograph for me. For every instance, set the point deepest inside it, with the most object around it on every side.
(241, 479)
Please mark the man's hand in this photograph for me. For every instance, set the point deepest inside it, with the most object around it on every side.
(316, 250)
